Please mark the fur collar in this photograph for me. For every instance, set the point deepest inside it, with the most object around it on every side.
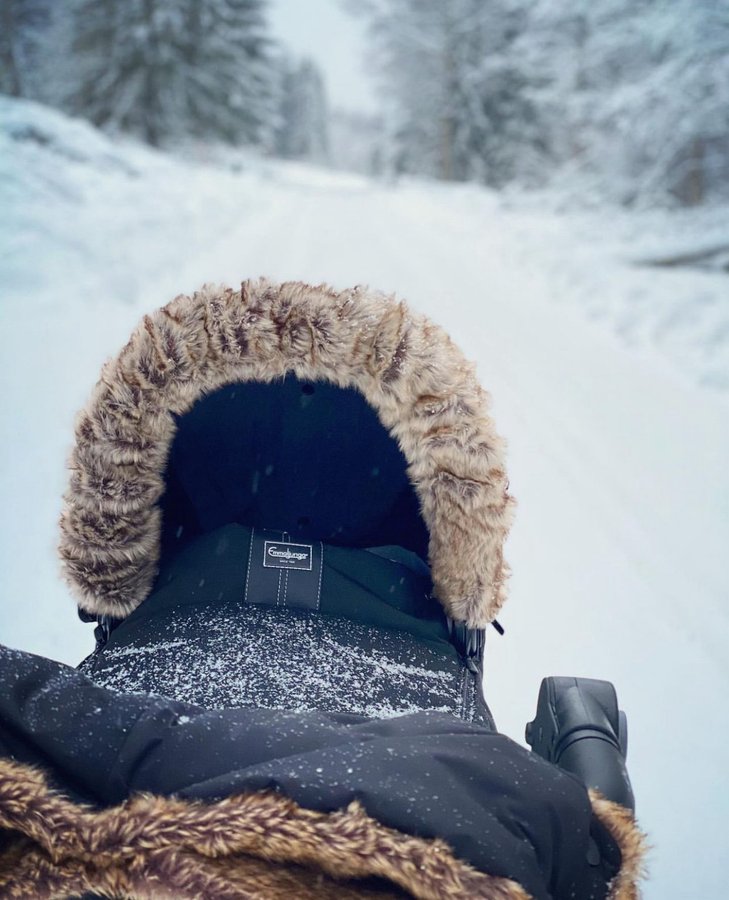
(247, 845)
(423, 390)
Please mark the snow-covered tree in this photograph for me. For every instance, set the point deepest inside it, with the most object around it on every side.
(498, 131)
(456, 93)
(674, 119)
(303, 121)
(128, 57)
(169, 68)
(635, 91)
(228, 73)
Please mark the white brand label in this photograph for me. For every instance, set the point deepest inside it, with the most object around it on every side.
(287, 556)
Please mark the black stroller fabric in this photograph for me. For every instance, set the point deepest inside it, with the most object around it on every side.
(309, 458)
(500, 807)
(376, 645)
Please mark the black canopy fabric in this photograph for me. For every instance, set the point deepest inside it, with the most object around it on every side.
(308, 458)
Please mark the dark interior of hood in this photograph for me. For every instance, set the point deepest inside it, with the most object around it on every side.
(308, 458)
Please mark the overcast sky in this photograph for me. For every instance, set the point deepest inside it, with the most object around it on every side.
(335, 40)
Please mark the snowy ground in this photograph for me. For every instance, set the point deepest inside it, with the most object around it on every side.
(609, 380)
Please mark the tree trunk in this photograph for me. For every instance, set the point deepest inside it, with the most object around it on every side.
(10, 82)
(696, 182)
(150, 96)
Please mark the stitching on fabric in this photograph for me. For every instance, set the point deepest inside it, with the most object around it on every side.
(463, 687)
(467, 696)
(248, 572)
(321, 569)
(286, 538)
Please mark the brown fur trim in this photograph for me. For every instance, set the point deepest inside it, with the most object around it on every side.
(623, 828)
(247, 846)
(423, 390)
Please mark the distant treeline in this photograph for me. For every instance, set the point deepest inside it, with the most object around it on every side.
(630, 96)
(634, 93)
(166, 71)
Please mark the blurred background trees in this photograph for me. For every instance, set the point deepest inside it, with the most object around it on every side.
(171, 69)
(628, 97)
(458, 106)
(166, 71)
(302, 125)
(634, 93)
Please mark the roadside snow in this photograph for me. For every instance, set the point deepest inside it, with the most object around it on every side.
(609, 379)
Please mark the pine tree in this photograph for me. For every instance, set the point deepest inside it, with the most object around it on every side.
(129, 61)
(164, 69)
(228, 73)
(413, 53)
(457, 95)
(637, 91)
(675, 127)
(634, 93)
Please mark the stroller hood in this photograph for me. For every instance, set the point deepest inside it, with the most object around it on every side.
(339, 416)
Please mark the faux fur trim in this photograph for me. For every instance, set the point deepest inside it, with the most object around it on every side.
(422, 388)
(621, 824)
(247, 846)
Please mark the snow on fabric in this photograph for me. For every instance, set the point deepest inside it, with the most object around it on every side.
(253, 657)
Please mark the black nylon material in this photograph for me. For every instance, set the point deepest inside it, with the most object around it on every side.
(311, 459)
(388, 587)
(501, 808)
(376, 645)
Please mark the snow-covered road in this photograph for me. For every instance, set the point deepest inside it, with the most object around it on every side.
(618, 459)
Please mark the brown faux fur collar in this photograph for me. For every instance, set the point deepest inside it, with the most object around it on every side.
(423, 390)
(246, 846)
